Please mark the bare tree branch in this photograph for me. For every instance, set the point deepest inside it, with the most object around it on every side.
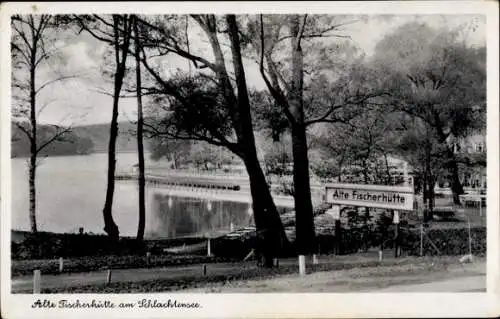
(323, 33)
(44, 106)
(275, 92)
(333, 108)
(155, 132)
(63, 77)
(23, 36)
(24, 130)
(56, 136)
(175, 48)
(84, 27)
(301, 31)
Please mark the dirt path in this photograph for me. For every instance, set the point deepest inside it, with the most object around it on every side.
(465, 278)
(392, 273)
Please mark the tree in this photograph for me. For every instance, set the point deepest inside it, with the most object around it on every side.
(268, 116)
(435, 76)
(204, 156)
(418, 145)
(140, 143)
(31, 36)
(116, 32)
(291, 89)
(214, 108)
(176, 151)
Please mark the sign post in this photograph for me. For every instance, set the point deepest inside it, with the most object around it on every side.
(395, 220)
(335, 213)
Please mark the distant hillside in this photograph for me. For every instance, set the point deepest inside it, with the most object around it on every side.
(99, 134)
(68, 143)
(81, 140)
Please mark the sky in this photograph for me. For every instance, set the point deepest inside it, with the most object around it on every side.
(79, 102)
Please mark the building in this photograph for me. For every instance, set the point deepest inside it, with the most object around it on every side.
(472, 152)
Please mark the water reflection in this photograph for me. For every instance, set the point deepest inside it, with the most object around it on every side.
(187, 216)
(176, 216)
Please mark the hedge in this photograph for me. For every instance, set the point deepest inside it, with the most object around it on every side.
(451, 241)
(448, 241)
(45, 245)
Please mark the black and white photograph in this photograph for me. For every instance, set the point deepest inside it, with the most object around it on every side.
(250, 159)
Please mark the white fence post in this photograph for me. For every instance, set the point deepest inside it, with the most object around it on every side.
(61, 264)
(209, 248)
(302, 265)
(108, 277)
(480, 207)
(470, 237)
(421, 240)
(37, 278)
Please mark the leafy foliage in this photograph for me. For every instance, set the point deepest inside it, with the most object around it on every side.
(173, 150)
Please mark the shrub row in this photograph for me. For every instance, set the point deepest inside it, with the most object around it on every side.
(440, 241)
(448, 241)
(437, 241)
(451, 241)
(46, 245)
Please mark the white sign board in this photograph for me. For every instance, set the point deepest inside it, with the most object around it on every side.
(379, 196)
(334, 212)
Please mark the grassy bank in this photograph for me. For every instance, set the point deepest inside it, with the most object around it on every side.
(86, 264)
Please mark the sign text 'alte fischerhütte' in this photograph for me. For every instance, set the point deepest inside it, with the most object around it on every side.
(380, 196)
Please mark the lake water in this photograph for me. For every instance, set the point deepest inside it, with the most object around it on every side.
(71, 192)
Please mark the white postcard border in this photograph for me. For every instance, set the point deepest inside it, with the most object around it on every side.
(271, 305)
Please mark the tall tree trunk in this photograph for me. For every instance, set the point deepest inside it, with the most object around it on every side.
(140, 144)
(387, 170)
(425, 193)
(428, 181)
(32, 193)
(109, 225)
(33, 144)
(367, 210)
(456, 187)
(432, 194)
(304, 219)
(267, 219)
(341, 164)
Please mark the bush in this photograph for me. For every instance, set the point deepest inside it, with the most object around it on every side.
(46, 245)
(449, 241)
